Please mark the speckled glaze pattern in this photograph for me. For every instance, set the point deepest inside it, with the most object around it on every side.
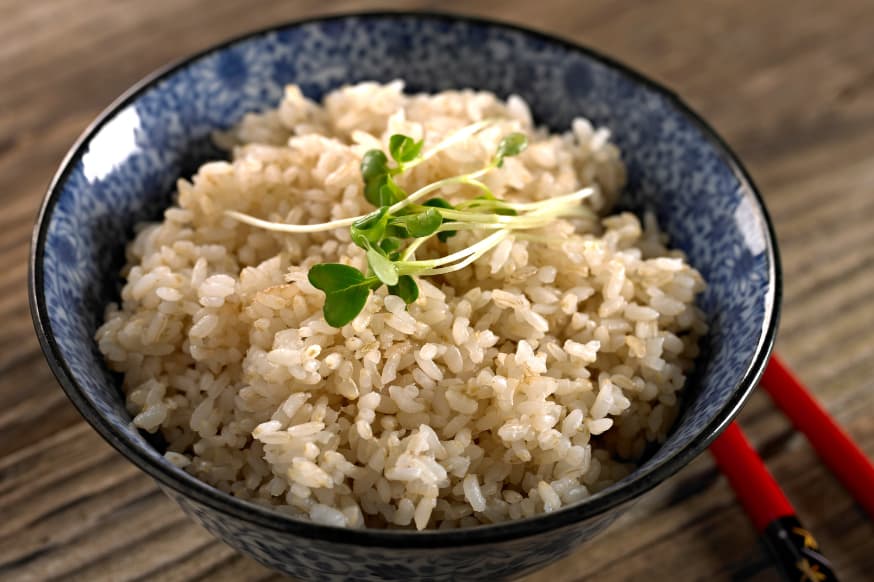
(328, 561)
(122, 172)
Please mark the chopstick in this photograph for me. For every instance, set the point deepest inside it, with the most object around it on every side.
(793, 548)
(830, 441)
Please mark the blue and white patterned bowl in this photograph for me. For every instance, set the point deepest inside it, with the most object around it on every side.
(123, 168)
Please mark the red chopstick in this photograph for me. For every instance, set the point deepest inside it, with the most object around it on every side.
(793, 548)
(832, 444)
(754, 486)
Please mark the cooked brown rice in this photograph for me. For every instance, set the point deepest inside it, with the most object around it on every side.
(521, 384)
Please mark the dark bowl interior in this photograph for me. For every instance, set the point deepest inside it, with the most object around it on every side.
(123, 169)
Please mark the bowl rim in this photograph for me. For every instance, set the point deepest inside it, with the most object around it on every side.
(190, 487)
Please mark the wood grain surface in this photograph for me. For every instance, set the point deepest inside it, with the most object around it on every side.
(790, 84)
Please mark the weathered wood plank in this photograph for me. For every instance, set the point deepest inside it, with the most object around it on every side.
(789, 84)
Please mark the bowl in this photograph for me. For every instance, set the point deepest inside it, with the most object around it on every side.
(123, 169)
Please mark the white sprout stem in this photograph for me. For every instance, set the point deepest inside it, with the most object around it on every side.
(581, 194)
(493, 241)
(476, 183)
(562, 210)
(485, 243)
(482, 248)
(447, 226)
(480, 217)
(549, 208)
(293, 228)
(414, 246)
(449, 141)
(532, 207)
(530, 220)
(580, 212)
(424, 191)
(346, 222)
(451, 226)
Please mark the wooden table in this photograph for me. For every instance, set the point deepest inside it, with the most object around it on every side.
(790, 84)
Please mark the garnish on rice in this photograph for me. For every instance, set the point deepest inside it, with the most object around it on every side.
(400, 225)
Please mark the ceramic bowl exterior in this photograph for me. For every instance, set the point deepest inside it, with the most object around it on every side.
(123, 169)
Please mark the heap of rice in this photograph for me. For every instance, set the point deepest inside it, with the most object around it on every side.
(519, 385)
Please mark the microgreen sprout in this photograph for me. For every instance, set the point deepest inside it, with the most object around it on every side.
(402, 222)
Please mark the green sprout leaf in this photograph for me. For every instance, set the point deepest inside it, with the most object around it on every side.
(404, 149)
(390, 244)
(359, 238)
(372, 220)
(342, 307)
(395, 230)
(383, 268)
(406, 289)
(373, 165)
(421, 224)
(372, 189)
(389, 193)
(331, 277)
(512, 145)
(346, 291)
(379, 187)
(370, 229)
(374, 171)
